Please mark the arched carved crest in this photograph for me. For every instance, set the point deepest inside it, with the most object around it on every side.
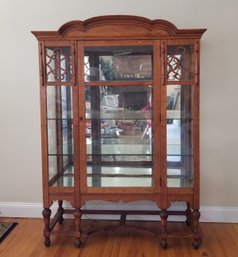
(119, 27)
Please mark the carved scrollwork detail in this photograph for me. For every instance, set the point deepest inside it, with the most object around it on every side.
(179, 63)
(58, 64)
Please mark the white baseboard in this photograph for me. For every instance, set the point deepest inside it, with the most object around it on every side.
(208, 213)
(20, 210)
(219, 214)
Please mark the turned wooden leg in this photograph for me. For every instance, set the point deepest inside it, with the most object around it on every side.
(61, 210)
(188, 215)
(46, 214)
(164, 235)
(196, 233)
(77, 232)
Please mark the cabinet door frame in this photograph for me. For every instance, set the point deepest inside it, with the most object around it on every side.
(156, 84)
(194, 83)
(51, 192)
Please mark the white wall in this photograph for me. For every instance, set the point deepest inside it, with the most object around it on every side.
(20, 156)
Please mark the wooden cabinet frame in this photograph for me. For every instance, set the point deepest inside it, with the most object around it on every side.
(64, 68)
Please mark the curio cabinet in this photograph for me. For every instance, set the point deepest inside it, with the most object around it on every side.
(120, 119)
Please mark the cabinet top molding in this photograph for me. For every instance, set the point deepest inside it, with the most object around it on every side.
(118, 27)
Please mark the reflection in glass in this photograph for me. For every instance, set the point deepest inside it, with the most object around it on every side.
(120, 177)
(180, 173)
(64, 181)
(118, 63)
(180, 135)
(52, 164)
(60, 175)
(119, 135)
(59, 102)
(59, 133)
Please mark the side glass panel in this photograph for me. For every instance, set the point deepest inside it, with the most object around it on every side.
(58, 64)
(180, 136)
(118, 63)
(60, 135)
(119, 136)
(179, 62)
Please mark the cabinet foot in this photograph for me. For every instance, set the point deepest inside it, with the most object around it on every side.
(196, 234)
(77, 243)
(188, 220)
(196, 244)
(46, 214)
(61, 220)
(164, 244)
(47, 242)
(77, 232)
(61, 210)
(164, 235)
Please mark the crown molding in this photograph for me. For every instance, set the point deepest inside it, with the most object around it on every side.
(118, 27)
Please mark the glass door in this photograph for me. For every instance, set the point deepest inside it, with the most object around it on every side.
(59, 114)
(60, 136)
(180, 115)
(119, 116)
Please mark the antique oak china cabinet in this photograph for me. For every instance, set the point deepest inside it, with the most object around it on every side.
(120, 119)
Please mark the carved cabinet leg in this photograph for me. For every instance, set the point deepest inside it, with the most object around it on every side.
(61, 210)
(77, 232)
(196, 233)
(164, 235)
(188, 215)
(46, 214)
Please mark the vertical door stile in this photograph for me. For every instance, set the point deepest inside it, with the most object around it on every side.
(82, 119)
(75, 89)
(44, 144)
(196, 124)
(163, 134)
(156, 116)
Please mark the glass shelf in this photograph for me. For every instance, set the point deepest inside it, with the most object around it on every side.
(60, 117)
(62, 154)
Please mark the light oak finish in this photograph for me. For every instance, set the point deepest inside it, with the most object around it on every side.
(219, 240)
(174, 61)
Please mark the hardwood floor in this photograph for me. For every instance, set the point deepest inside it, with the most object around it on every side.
(219, 240)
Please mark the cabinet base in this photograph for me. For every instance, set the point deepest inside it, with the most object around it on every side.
(192, 222)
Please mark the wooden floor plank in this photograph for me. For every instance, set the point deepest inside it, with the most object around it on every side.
(219, 240)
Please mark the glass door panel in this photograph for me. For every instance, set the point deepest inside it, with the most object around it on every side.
(60, 135)
(180, 135)
(115, 63)
(119, 136)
